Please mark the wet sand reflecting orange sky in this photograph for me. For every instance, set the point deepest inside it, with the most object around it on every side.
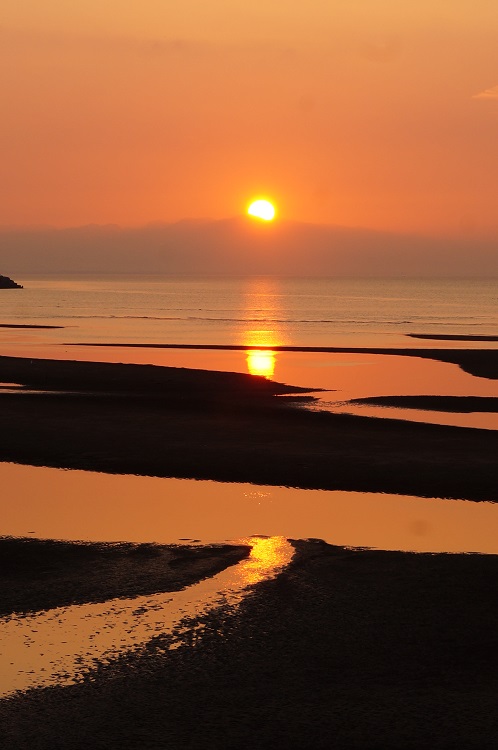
(343, 376)
(58, 646)
(51, 503)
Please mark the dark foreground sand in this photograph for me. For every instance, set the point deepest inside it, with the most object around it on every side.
(40, 574)
(460, 404)
(140, 419)
(345, 649)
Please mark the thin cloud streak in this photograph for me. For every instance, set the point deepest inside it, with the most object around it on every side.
(491, 93)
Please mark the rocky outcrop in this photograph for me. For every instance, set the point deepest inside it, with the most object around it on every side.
(6, 283)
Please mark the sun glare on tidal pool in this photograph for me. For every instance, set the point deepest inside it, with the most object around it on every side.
(262, 209)
(261, 362)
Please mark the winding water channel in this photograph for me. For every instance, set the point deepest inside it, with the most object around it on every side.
(61, 645)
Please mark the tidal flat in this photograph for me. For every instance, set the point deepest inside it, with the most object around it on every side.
(160, 421)
(345, 647)
(38, 574)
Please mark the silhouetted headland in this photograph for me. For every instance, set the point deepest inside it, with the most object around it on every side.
(8, 283)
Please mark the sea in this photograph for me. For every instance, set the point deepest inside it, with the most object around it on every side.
(252, 310)
(124, 318)
(135, 319)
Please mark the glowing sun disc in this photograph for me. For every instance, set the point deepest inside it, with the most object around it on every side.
(262, 209)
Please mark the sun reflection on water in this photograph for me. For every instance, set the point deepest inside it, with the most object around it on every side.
(262, 308)
(261, 362)
(267, 554)
(64, 645)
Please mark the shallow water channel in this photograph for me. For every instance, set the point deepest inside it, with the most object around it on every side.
(61, 645)
(82, 505)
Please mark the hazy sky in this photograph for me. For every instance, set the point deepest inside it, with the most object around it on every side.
(370, 113)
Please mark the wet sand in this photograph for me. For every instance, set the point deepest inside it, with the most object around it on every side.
(42, 574)
(452, 337)
(463, 404)
(159, 421)
(344, 649)
(479, 362)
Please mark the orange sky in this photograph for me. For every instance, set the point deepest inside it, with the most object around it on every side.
(359, 112)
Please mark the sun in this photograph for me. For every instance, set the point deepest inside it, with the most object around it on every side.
(262, 209)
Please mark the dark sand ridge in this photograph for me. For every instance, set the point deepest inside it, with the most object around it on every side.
(480, 362)
(344, 649)
(434, 403)
(137, 419)
(41, 574)
(23, 325)
(146, 380)
(452, 337)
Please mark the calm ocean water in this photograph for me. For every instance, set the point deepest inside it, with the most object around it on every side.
(247, 312)
(269, 311)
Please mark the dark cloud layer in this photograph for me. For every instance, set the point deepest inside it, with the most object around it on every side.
(240, 246)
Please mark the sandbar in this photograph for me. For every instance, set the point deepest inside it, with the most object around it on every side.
(479, 362)
(37, 574)
(346, 648)
(170, 422)
(460, 404)
(453, 336)
(26, 325)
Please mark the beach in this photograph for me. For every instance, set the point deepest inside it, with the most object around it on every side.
(229, 427)
(38, 574)
(356, 647)
(249, 376)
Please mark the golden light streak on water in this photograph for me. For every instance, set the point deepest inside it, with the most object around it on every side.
(268, 553)
(261, 362)
(262, 310)
(60, 646)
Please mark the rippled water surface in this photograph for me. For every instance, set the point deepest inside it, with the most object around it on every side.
(60, 504)
(268, 312)
(60, 646)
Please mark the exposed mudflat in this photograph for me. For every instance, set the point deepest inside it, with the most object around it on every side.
(344, 649)
(38, 574)
(160, 421)
(463, 404)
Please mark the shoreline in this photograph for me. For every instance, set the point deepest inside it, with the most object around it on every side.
(358, 648)
(452, 404)
(452, 337)
(481, 363)
(173, 422)
(40, 574)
